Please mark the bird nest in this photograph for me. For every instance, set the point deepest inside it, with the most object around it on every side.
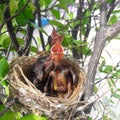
(37, 102)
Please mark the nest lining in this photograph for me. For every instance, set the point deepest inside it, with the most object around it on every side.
(34, 100)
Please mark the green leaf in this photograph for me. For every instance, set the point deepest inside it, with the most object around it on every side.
(45, 3)
(2, 48)
(56, 13)
(113, 19)
(4, 83)
(33, 117)
(21, 41)
(62, 6)
(106, 69)
(43, 118)
(25, 15)
(38, 40)
(2, 7)
(76, 42)
(104, 117)
(95, 89)
(9, 115)
(48, 48)
(21, 3)
(56, 23)
(32, 6)
(2, 37)
(70, 16)
(86, 50)
(116, 95)
(89, 118)
(83, 30)
(87, 15)
(66, 2)
(110, 86)
(48, 2)
(6, 42)
(33, 49)
(109, 1)
(73, 24)
(116, 11)
(67, 40)
(29, 117)
(82, 47)
(28, 13)
(95, 6)
(117, 38)
(113, 82)
(21, 19)
(13, 4)
(40, 28)
(4, 67)
(118, 89)
(117, 74)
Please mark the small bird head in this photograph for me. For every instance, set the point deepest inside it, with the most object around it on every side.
(55, 37)
(57, 51)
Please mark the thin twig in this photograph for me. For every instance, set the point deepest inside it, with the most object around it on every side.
(107, 76)
(8, 51)
(28, 40)
(112, 6)
(40, 25)
(88, 28)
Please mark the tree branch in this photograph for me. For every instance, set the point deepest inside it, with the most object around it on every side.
(112, 6)
(103, 17)
(77, 54)
(29, 33)
(39, 24)
(28, 40)
(104, 34)
(4, 1)
(11, 31)
(88, 28)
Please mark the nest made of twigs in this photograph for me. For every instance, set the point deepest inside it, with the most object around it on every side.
(34, 100)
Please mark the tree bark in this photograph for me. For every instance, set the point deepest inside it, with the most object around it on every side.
(11, 31)
(105, 33)
(78, 54)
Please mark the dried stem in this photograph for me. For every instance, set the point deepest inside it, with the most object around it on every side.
(39, 24)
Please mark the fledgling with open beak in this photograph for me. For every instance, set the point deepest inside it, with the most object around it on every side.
(62, 80)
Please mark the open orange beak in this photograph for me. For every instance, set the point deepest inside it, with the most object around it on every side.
(57, 51)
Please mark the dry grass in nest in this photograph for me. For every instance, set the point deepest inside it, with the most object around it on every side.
(33, 100)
